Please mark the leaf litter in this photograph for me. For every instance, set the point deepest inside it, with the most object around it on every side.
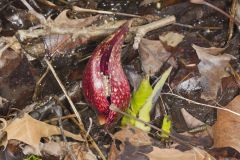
(30, 131)
(67, 36)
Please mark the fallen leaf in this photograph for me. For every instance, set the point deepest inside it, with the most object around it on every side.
(226, 130)
(30, 131)
(59, 149)
(135, 136)
(81, 152)
(200, 138)
(129, 143)
(191, 121)
(171, 38)
(153, 55)
(132, 143)
(190, 85)
(212, 69)
(173, 154)
(63, 21)
(60, 43)
(9, 55)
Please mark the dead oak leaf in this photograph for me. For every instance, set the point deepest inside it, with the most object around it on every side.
(173, 154)
(212, 68)
(62, 20)
(30, 131)
(153, 55)
(226, 129)
(132, 143)
(129, 143)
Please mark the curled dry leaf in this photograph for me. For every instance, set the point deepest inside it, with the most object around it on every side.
(212, 69)
(226, 130)
(30, 131)
(153, 55)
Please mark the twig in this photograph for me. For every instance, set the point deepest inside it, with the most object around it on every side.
(90, 126)
(197, 27)
(38, 85)
(73, 107)
(78, 9)
(233, 12)
(65, 92)
(58, 111)
(63, 117)
(142, 30)
(202, 104)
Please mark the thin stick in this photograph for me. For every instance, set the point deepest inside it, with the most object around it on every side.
(202, 104)
(63, 117)
(90, 126)
(78, 9)
(73, 107)
(142, 30)
(38, 84)
(231, 23)
(65, 93)
(197, 27)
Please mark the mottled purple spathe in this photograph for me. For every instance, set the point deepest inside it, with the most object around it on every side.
(106, 61)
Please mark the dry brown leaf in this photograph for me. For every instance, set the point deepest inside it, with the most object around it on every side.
(30, 131)
(82, 153)
(133, 143)
(212, 69)
(153, 55)
(174, 154)
(190, 121)
(63, 21)
(57, 149)
(9, 60)
(171, 38)
(226, 130)
(10, 56)
(134, 135)
(129, 143)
